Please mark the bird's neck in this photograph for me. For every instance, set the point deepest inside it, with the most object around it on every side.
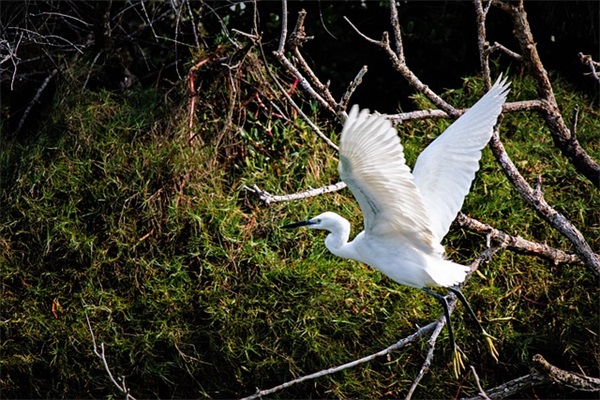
(337, 241)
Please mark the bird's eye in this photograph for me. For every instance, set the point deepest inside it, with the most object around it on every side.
(318, 220)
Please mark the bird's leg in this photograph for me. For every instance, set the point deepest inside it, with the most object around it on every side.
(457, 353)
(488, 337)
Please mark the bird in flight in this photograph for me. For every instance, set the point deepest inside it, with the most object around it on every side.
(406, 215)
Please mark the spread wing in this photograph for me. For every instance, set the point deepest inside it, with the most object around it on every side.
(445, 170)
(372, 165)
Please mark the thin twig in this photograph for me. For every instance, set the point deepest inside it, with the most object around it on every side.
(398, 345)
(586, 59)
(35, 100)
(482, 392)
(514, 386)
(101, 354)
(516, 106)
(574, 121)
(400, 66)
(304, 83)
(505, 50)
(343, 104)
(431, 345)
(284, 24)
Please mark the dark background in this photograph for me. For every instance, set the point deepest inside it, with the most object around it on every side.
(117, 45)
(440, 43)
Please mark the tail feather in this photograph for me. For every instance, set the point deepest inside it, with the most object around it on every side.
(446, 273)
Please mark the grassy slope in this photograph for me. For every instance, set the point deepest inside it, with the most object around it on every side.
(196, 292)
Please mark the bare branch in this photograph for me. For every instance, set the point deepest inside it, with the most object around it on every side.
(514, 386)
(400, 66)
(297, 37)
(537, 201)
(35, 99)
(505, 50)
(397, 31)
(482, 392)
(517, 106)
(568, 145)
(517, 243)
(571, 379)
(343, 104)
(586, 59)
(101, 354)
(398, 345)
(284, 26)
(269, 198)
(299, 110)
(431, 345)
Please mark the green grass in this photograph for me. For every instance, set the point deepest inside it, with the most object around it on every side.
(195, 290)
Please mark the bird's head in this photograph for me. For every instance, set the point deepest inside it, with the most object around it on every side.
(328, 221)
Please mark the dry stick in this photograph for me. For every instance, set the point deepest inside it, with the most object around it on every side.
(484, 53)
(486, 255)
(280, 55)
(586, 59)
(284, 23)
(400, 66)
(35, 99)
(401, 343)
(514, 386)
(343, 104)
(508, 52)
(535, 197)
(397, 32)
(482, 392)
(297, 39)
(269, 198)
(121, 386)
(517, 243)
(563, 138)
(295, 106)
(543, 373)
(536, 200)
(516, 106)
(431, 344)
(571, 379)
(302, 80)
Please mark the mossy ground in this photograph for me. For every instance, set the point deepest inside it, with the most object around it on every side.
(195, 290)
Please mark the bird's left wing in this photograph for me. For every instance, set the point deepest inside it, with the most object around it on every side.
(372, 164)
(445, 170)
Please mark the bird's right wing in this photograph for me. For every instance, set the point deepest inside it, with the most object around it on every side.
(372, 164)
(445, 170)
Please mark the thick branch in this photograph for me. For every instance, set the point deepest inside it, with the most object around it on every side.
(514, 386)
(565, 378)
(563, 138)
(517, 243)
(536, 200)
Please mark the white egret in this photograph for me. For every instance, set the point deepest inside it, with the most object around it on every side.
(406, 214)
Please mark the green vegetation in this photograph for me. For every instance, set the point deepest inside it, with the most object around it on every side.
(195, 291)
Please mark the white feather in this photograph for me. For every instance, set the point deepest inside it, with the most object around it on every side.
(445, 170)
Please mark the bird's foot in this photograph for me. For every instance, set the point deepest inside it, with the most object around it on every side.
(490, 341)
(458, 364)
